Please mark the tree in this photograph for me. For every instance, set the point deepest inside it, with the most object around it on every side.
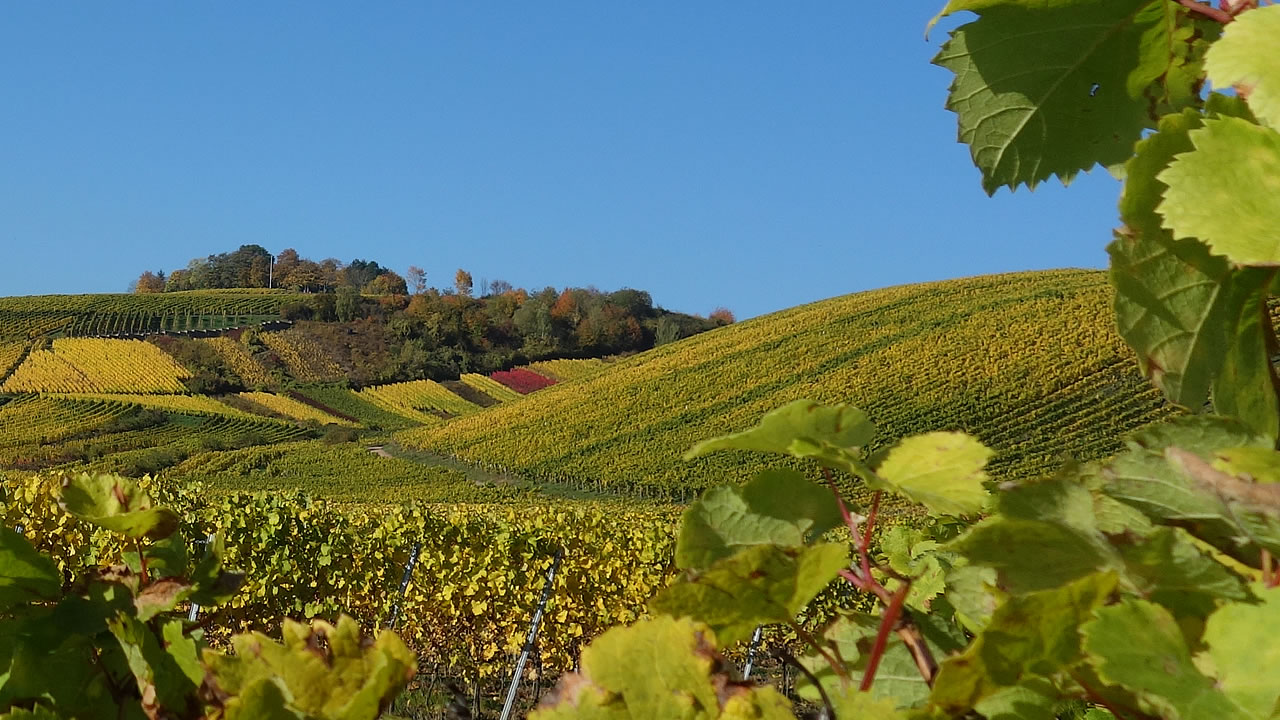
(286, 261)
(417, 279)
(722, 316)
(388, 283)
(150, 282)
(462, 281)
(347, 304)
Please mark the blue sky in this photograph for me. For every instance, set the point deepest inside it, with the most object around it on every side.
(748, 155)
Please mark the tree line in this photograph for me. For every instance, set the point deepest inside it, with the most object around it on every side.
(386, 328)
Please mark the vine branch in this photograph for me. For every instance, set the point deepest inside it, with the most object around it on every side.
(1208, 11)
(887, 624)
(784, 655)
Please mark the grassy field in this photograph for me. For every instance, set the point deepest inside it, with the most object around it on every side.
(994, 356)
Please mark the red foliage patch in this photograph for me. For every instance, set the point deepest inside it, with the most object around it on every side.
(521, 380)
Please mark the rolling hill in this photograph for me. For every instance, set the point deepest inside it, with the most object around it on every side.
(1028, 362)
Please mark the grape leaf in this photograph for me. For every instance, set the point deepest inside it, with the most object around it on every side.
(165, 687)
(1245, 387)
(117, 504)
(1236, 165)
(941, 470)
(328, 670)
(1175, 301)
(1055, 88)
(898, 678)
(25, 575)
(830, 434)
(1028, 635)
(1247, 677)
(1169, 569)
(657, 668)
(1045, 535)
(1032, 698)
(1159, 670)
(760, 585)
(1153, 476)
(1245, 55)
(778, 507)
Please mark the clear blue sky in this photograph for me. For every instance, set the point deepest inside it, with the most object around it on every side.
(746, 154)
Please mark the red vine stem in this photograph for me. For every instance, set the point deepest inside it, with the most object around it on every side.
(1208, 11)
(887, 623)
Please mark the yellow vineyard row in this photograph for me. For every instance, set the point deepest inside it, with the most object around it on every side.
(304, 358)
(294, 409)
(252, 372)
(89, 365)
(417, 396)
(490, 387)
(564, 370)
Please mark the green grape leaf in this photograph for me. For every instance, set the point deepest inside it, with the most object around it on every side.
(1245, 56)
(1030, 635)
(1175, 302)
(117, 504)
(183, 649)
(264, 699)
(1034, 697)
(1058, 87)
(850, 703)
(830, 434)
(778, 507)
(328, 670)
(941, 470)
(1169, 569)
(1159, 670)
(1246, 677)
(1253, 464)
(167, 557)
(972, 591)
(910, 554)
(760, 585)
(898, 678)
(1045, 535)
(165, 688)
(25, 575)
(1235, 164)
(657, 668)
(1166, 473)
(1245, 388)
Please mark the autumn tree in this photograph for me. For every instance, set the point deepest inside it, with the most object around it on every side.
(462, 281)
(150, 282)
(388, 283)
(417, 279)
(722, 316)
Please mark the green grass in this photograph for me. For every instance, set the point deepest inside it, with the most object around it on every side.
(1028, 362)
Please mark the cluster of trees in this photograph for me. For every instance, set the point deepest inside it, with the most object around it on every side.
(385, 328)
(440, 334)
(253, 267)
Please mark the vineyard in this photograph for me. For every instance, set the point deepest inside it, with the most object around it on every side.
(250, 370)
(425, 400)
(306, 361)
(85, 365)
(356, 405)
(292, 409)
(478, 576)
(134, 314)
(980, 354)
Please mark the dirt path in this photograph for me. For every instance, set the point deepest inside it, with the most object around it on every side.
(380, 451)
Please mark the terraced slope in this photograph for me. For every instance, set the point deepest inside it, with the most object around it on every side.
(26, 317)
(1029, 362)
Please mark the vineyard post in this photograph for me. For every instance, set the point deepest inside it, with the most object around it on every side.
(194, 612)
(404, 585)
(532, 636)
(751, 652)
